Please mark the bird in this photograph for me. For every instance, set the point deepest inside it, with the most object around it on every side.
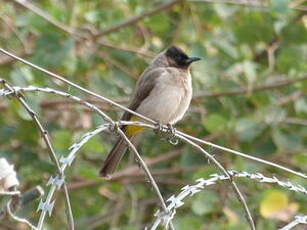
(163, 93)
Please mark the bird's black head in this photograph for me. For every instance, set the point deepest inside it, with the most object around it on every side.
(178, 58)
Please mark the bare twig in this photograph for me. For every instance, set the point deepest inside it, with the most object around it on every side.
(135, 19)
(295, 121)
(290, 98)
(24, 44)
(69, 213)
(240, 91)
(45, 16)
(129, 48)
(253, 3)
(8, 60)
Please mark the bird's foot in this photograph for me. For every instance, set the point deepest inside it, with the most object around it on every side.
(171, 130)
(167, 135)
(171, 137)
(159, 129)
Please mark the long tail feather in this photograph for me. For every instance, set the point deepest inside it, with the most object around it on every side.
(113, 158)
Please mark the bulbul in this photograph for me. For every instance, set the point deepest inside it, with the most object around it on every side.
(163, 93)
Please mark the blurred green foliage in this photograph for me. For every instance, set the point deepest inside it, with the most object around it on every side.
(242, 46)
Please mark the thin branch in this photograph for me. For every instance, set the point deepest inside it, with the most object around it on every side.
(5, 60)
(45, 16)
(290, 98)
(18, 36)
(126, 48)
(240, 91)
(253, 3)
(69, 209)
(294, 121)
(135, 19)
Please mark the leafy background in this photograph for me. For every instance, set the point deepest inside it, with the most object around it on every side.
(243, 47)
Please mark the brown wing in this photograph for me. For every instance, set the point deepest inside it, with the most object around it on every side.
(144, 86)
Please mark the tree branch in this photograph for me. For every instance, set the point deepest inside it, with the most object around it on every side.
(135, 19)
(253, 3)
(240, 91)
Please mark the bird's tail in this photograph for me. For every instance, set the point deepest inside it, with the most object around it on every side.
(119, 149)
(114, 157)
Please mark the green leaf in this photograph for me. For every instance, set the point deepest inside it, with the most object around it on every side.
(286, 142)
(51, 51)
(300, 105)
(301, 159)
(204, 203)
(189, 222)
(248, 129)
(87, 171)
(62, 139)
(280, 7)
(94, 148)
(215, 123)
(250, 71)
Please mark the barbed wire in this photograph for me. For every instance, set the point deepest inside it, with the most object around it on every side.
(176, 201)
(297, 220)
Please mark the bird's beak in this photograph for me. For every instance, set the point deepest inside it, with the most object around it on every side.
(192, 59)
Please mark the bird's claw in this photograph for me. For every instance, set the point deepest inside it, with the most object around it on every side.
(170, 133)
(171, 130)
(171, 138)
(159, 128)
